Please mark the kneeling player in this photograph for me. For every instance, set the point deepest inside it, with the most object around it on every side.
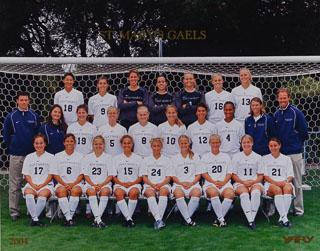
(98, 173)
(127, 180)
(69, 175)
(278, 174)
(155, 172)
(217, 173)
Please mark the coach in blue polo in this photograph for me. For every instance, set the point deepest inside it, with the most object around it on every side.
(292, 130)
(20, 126)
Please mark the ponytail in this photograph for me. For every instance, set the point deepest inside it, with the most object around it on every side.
(177, 121)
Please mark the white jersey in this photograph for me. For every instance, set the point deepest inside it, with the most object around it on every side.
(156, 169)
(230, 135)
(84, 136)
(127, 168)
(170, 135)
(69, 101)
(247, 167)
(241, 98)
(98, 107)
(217, 166)
(215, 102)
(68, 166)
(200, 136)
(38, 168)
(112, 136)
(185, 169)
(141, 137)
(98, 168)
(278, 169)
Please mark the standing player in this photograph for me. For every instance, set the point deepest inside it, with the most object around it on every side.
(200, 131)
(142, 132)
(230, 131)
(69, 99)
(37, 168)
(156, 171)
(187, 171)
(292, 131)
(217, 173)
(130, 98)
(260, 127)
(187, 99)
(69, 175)
(216, 98)
(98, 172)
(278, 174)
(248, 174)
(158, 101)
(170, 131)
(127, 179)
(19, 128)
(99, 103)
(242, 95)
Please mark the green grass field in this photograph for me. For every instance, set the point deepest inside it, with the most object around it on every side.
(236, 236)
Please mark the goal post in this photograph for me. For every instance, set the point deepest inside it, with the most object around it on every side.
(42, 78)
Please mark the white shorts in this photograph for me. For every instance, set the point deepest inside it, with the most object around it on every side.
(186, 191)
(49, 187)
(220, 190)
(267, 185)
(79, 184)
(127, 190)
(146, 186)
(87, 186)
(236, 185)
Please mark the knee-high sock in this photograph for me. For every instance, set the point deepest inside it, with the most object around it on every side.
(132, 206)
(217, 207)
(183, 208)
(73, 203)
(95, 208)
(226, 204)
(278, 201)
(31, 205)
(255, 202)
(64, 206)
(103, 204)
(88, 208)
(41, 203)
(193, 205)
(152, 203)
(287, 198)
(246, 206)
(124, 209)
(163, 202)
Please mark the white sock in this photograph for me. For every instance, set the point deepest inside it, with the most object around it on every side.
(193, 205)
(255, 202)
(287, 198)
(103, 204)
(183, 208)
(246, 206)
(124, 209)
(278, 201)
(64, 206)
(217, 207)
(117, 209)
(163, 201)
(95, 208)
(152, 203)
(41, 203)
(73, 203)
(31, 205)
(226, 204)
(88, 208)
(132, 206)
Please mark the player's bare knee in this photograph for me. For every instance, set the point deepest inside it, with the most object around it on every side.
(91, 192)
(287, 189)
(228, 193)
(105, 192)
(164, 192)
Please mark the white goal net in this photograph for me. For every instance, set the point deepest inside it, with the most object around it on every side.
(42, 78)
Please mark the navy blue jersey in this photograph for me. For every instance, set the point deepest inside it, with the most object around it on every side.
(54, 135)
(157, 105)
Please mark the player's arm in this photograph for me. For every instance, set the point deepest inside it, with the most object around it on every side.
(259, 178)
(237, 179)
(166, 181)
(108, 179)
(29, 180)
(59, 180)
(271, 181)
(46, 182)
(208, 178)
(88, 179)
(7, 131)
(78, 180)
(226, 180)
(137, 181)
(147, 181)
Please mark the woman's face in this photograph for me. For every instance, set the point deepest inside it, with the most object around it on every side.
(39, 144)
(171, 114)
(133, 79)
(217, 82)
(189, 81)
(69, 143)
(102, 85)
(127, 145)
(113, 115)
(82, 114)
(98, 146)
(274, 147)
(246, 144)
(161, 84)
(215, 143)
(201, 113)
(228, 111)
(245, 77)
(68, 82)
(184, 144)
(156, 147)
(56, 113)
(256, 107)
(142, 115)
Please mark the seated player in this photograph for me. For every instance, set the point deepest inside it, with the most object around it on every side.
(186, 175)
(127, 180)
(37, 168)
(217, 173)
(155, 172)
(248, 174)
(98, 172)
(69, 175)
(278, 174)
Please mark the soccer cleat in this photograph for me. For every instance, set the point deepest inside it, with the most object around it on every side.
(159, 224)
(252, 225)
(101, 225)
(287, 224)
(36, 223)
(215, 223)
(223, 223)
(280, 223)
(131, 224)
(192, 224)
(94, 224)
(71, 223)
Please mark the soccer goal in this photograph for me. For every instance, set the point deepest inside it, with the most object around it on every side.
(41, 77)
